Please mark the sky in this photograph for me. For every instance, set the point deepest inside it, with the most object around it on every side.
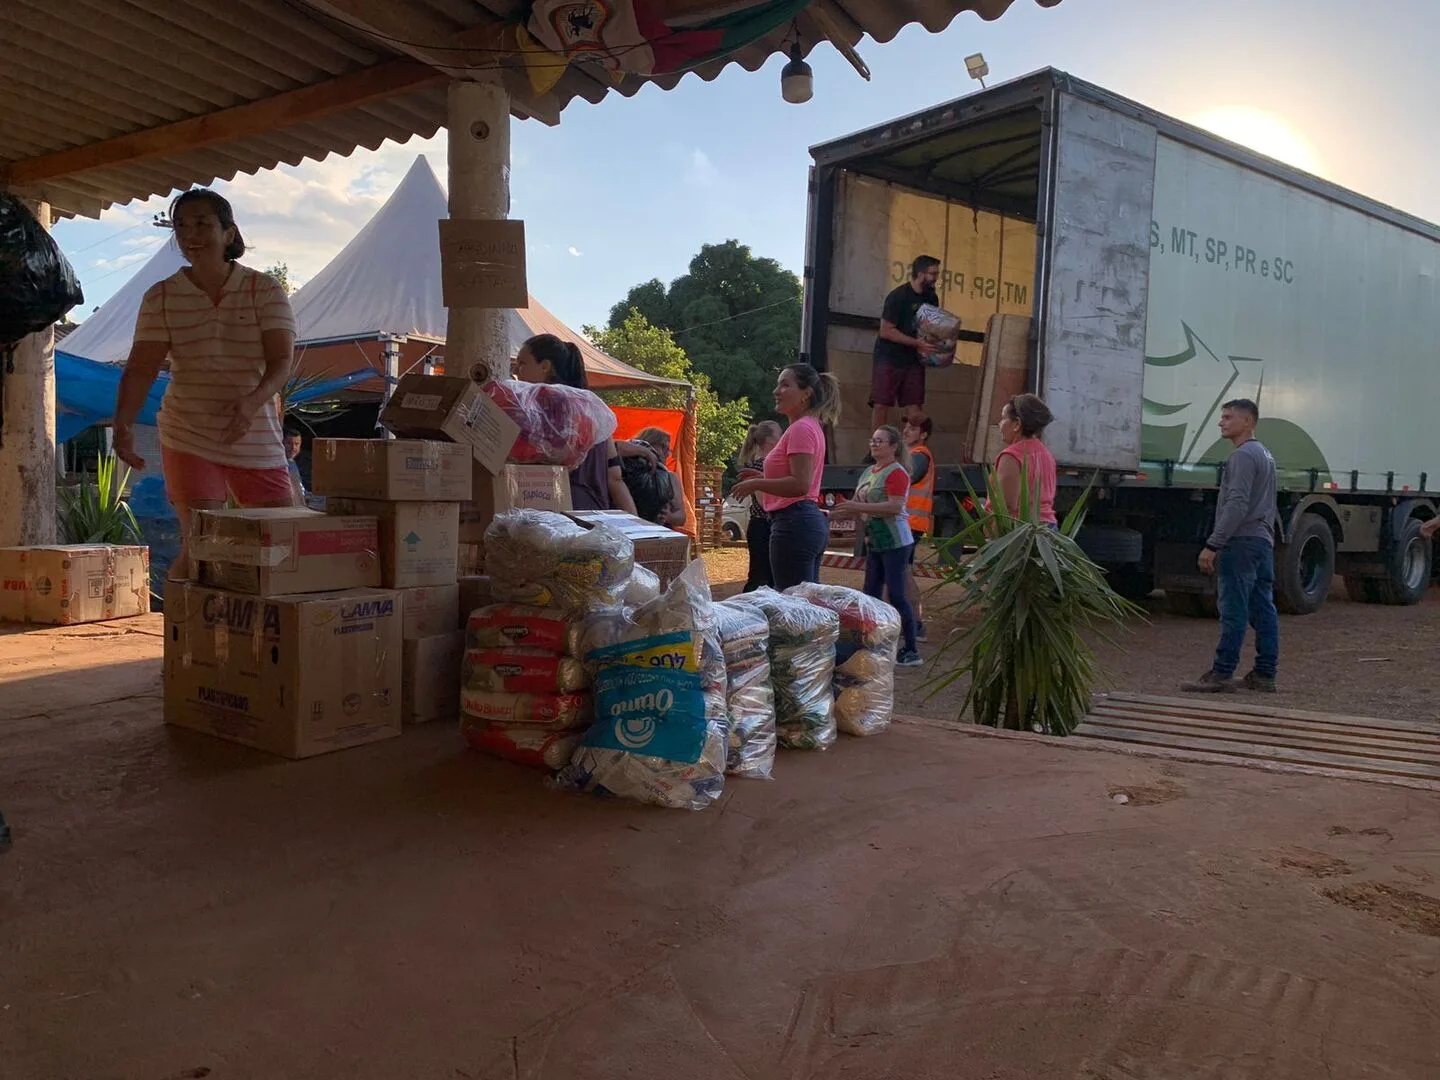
(629, 189)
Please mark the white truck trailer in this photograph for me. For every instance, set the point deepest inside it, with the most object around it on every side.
(1137, 272)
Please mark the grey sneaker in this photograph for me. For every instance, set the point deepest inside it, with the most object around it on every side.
(908, 658)
(1263, 684)
(919, 631)
(1210, 683)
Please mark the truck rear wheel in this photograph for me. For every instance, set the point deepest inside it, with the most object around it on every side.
(1407, 572)
(1305, 566)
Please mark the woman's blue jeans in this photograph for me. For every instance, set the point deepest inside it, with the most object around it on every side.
(798, 535)
(886, 570)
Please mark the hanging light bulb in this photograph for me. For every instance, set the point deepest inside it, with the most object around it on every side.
(797, 81)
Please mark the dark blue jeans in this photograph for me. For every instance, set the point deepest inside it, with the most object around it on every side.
(886, 570)
(1245, 577)
(798, 535)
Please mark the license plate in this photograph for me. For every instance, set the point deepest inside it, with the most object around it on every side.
(843, 525)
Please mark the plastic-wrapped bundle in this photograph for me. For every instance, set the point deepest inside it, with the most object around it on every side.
(940, 328)
(802, 667)
(524, 744)
(558, 424)
(502, 626)
(659, 676)
(522, 671)
(644, 587)
(750, 699)
(544, 712)
(865, 671)
(544, 559)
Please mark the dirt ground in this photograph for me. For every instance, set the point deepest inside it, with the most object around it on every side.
(1357, 659)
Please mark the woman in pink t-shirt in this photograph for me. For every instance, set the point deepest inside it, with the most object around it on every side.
(789, 488)
(1022, 421)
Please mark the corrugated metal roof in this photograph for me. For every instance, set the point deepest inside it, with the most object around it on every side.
(79, 73)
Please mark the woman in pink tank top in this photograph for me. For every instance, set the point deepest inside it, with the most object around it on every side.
(1022, 421)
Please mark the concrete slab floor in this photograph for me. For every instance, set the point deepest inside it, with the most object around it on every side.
(922, 904)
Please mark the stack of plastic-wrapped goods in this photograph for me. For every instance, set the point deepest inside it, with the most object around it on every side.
(802, 666)
(750, 697)
(864, 655)
(526, 695)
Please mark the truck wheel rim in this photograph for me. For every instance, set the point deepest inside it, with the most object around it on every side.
(1415, 569)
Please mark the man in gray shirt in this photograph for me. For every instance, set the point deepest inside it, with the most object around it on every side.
(1241, 553)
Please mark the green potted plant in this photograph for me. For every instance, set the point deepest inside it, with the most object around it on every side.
(96, 511)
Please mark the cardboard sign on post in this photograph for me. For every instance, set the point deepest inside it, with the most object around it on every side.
(482, 264)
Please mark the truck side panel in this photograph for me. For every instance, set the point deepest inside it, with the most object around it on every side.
(1326, 316)
(1093, 358)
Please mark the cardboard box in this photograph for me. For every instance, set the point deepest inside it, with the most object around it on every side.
(475, 593)
(515, 487)
(472, 560)
(451, 408)
(431, 610)
(661, 550)
(274, 552)
(431, 678)
(395, 469)
(294, 675)
(73, 583)
(417, 539)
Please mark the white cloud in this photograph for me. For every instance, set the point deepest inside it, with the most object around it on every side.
(575, 251)
(700, 170)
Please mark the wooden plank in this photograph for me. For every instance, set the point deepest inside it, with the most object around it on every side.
(1259, 753)
(254, 118)
(1419, 739)
(1259, 709)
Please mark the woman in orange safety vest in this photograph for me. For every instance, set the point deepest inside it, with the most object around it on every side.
(920, 505)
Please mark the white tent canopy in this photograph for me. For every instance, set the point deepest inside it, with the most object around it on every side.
(108, 333)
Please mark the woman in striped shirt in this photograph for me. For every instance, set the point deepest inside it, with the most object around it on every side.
(229, 335)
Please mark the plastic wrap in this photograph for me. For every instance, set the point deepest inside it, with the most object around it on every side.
(940, 328)
(558, 424)
(522, 671)
(644, 587)
(544, 559)
(802, 667)
(749, 696)
(502, 626)
(865, 655)
(37, 284)
(520, 743)
(659, 675)
(548, 712)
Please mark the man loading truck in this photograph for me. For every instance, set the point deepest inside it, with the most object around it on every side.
(898, 374)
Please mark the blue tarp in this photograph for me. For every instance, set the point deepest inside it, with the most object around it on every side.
(85, 393)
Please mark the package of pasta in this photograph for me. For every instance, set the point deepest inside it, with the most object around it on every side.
(659, 683)
(551, 712)
(522, 743)
(544, 559)
(802, 666)
(522, 671)
(502, 626)
(749, 697)
(865, 668)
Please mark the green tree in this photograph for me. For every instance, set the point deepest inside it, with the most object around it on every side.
(281, 273)
(737, 317)
(720, 425)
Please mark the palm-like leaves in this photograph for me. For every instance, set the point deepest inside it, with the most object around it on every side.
(1037, 593)
(95, 512)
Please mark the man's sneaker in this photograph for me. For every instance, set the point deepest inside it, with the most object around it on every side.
(1210, 683)
(920, 631)
(1264, 684)
(909, 658)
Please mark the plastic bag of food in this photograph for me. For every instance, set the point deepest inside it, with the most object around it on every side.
(865, 672)
(37, 283)
(940, 328)
(522, 671)
(522, 743)
(544, 559)
(749, 697)
(659, 678)
(644, 587)
(558, 424)
(551, 712)
(502, 626)
(802, 666)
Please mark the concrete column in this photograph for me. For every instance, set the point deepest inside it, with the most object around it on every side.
(479, 162)
(27, 456)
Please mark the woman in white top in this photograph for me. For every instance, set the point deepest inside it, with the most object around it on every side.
(229, 335)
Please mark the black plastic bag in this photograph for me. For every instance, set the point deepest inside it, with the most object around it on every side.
(651, 486)
(37, 284)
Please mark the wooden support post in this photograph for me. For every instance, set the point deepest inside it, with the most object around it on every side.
(479, 160)
(27, 440)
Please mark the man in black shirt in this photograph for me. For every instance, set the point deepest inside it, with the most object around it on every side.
(898, 376)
